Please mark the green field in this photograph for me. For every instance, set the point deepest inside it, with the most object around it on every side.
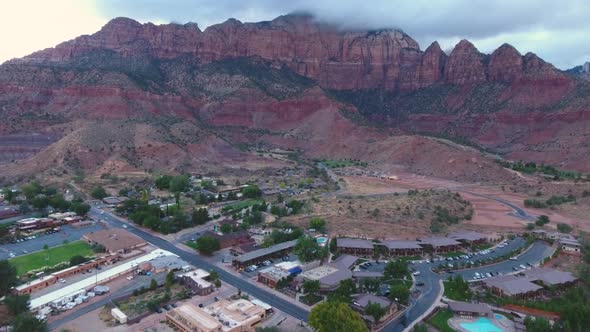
(50, 257)
(440, 320)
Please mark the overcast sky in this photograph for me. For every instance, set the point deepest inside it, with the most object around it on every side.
(556, 30)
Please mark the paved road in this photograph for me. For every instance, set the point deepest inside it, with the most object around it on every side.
(199, 262)
(519, 212)
(431, 288)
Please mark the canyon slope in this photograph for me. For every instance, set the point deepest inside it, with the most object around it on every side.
(175, 98)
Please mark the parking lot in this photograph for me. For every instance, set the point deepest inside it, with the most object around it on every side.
(254, 272)
(482, 256)
(66, 233)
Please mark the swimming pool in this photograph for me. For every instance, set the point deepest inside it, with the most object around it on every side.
(481, 325)
(321, 240)
(498, 316)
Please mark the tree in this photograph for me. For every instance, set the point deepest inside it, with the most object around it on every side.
(98, 192)
(213, 275)
(376, 311)
(26, 322)
(17, 304)
(420, 328)
(179, 183)
(530, 226)
(396, 269)
(7, 277)
(226, 228)
(169, 279)
(317, 224)
(311, 286)
(77, 260)
(335, 316)
(538, 324)
(40, 202)
(307, 249)
(399, 293)
(200, 216)
(81, 209)
(153, 284)
(251, 191)
(344, 292)
(217, 283)
(542, 220)
(207, 245)
(31, 189)
(564, 228)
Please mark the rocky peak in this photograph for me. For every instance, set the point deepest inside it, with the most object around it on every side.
(465, 65)
(505, 64)
(432, 65)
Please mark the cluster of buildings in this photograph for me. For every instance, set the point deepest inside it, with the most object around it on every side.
(436, 245)
(52, 220)
(567, 242)
(530, 283)
(224, 315)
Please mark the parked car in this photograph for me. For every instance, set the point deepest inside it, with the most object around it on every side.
(419, 284)
(417, 273)
(62, 280)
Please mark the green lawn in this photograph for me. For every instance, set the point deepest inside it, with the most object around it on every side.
(240, 205)
(192, 244)
(440, 320)
(50, 257)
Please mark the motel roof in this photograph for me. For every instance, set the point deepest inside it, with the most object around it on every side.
(549, 276)
(344, 261)
(512, 285)
(363, 300)
(439, 241)
(115, 239)
(480, 308)
(265, 251)
(354, 243)
(367, 274)
(570, 242)
(401, 244)
(467, 236)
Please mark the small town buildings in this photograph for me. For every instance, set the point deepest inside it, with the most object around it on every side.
(8, 212)
(570, 246)
(115, 240)
(227, 316)
(111, 200)
(397, 248)
(167, 264)
(260, 255)
(439, 245)
(360, 303)
(356, 247)
(270, 276)
(469, 310)
(344, 262)
(196, 281)
(328, 276)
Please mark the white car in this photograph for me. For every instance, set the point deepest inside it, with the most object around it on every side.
(129, 278)
(417, 273)
(62, 280)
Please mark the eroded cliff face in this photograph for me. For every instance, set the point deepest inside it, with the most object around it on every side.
(342, 60)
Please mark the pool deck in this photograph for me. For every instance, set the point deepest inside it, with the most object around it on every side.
(504, 324)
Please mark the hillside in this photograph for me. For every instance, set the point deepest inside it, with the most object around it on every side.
(174, 98)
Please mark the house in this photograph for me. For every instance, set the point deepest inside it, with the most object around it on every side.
(469, 310)
(362, 301)
(403, 248)
(6, 213)
(115, 240)
(356, 247)
(344, 262)
(570, 246)
(440, 244)
(270, 276)
(167, 263)
(111, 200)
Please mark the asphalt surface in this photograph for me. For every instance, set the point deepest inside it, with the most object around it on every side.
(197, 261)
(67, 233)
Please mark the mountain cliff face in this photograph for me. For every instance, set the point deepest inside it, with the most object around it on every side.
(291, 82)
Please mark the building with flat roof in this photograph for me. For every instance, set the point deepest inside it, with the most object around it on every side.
(356, 247)
(263, 254)
(403, 247)
(115, 240)
(513, 286)
(195, 280)
(222, 316)
(328, 276)
(344, 262)
(570, 246)
(167, 263)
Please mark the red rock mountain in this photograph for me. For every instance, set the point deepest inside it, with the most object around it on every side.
(289, 82)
